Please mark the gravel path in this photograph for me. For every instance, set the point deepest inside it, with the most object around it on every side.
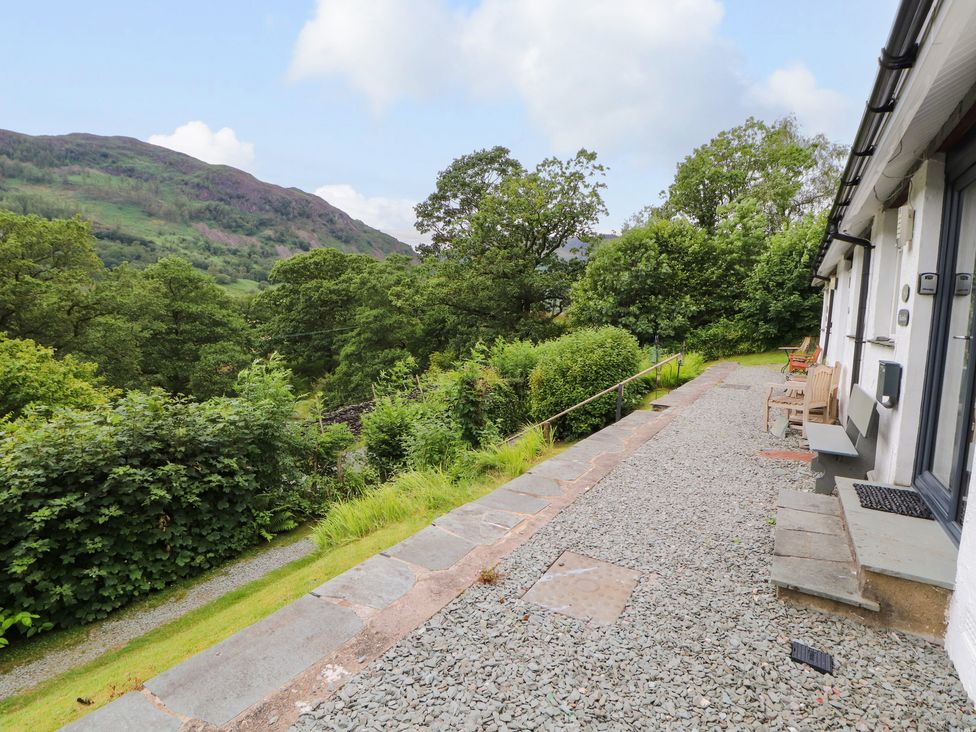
(117, 631)
(703, 643)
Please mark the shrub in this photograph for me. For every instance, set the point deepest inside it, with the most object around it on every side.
(578, 365)
(434, 440)
(726, 337)
(31, 378)
(105, 505)
(385, 431)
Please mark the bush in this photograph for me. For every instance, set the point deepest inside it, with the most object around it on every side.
(434, 440)
(385, 430)
(105, 505)
(724, 338)
(31, 378)
(578, 365)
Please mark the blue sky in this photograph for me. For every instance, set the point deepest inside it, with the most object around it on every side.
(365, 100)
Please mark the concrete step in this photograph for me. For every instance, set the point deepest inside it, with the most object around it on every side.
(812, 556)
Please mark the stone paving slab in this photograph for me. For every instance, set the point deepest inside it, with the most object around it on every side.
(478, 524)
(503, 499)
(431, 548)
(804, 501)
(378, 582)
(132, 711)
(831, 547)
(831, 580)
(221, 682)
(536, 485)
(789, 518)
(561, 468)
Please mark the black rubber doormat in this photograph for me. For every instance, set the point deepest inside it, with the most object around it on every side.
(892, 500)
(744, 387)
(818, 660)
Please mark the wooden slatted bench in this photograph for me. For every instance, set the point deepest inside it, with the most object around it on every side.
(844, 451)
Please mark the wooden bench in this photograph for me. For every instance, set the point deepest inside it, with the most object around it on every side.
(845, 451)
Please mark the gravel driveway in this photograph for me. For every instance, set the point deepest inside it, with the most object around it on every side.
(703, 642)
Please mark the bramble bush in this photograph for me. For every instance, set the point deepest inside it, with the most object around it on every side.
(576, 366)
(107, 504)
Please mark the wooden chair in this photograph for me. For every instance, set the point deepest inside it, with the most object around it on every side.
(803, 401)
(801, 362)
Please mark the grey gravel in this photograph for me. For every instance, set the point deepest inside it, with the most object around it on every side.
(128, 625)
(703, 642)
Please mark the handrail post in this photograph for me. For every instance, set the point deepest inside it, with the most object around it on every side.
(546, 431)
(620, 401)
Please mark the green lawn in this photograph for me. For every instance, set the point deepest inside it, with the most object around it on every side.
(767, 358)
(53, 703)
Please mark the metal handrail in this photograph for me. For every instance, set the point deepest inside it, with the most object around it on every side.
(619, 387)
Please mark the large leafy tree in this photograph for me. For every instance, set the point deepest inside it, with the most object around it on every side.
(784, 172)
(647, 281)
(47, 278)
(500, 273)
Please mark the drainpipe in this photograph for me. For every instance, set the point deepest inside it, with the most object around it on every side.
(862, 299)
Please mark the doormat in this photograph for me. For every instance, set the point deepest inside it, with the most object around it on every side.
(892, 500)
(744, 387)
(817, 660)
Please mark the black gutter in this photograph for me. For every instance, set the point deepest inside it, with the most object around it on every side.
(897, 57)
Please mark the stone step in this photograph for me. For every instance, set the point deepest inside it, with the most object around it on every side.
(812, 555)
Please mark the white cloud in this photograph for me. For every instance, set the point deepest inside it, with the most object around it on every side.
(645, 76)
(393, 216)
(197, 139)
(794, 90)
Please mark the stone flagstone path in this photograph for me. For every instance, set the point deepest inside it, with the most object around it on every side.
(264, 676)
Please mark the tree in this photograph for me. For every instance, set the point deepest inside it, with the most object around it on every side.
(47, 277)
(781, 304)
(501, 275)
(786, 173)
(447, 212)
(646, 281)
(182, 311)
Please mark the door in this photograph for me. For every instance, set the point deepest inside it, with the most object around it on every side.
(946, 448)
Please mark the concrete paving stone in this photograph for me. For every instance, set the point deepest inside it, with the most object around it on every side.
(790, 518)
(132, 711)
(831, 547)
(378, 582)
(537, 485)
(503, 499)
(832, 580)
(587, 450)
(432, 548)
(637, 418)
(478, 524)
(221, 682)
(804, 501)
(561, 468)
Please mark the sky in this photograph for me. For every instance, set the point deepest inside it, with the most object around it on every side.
(363, 101)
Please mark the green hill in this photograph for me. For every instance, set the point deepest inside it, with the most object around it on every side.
(146, 202)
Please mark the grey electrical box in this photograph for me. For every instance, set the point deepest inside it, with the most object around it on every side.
(889, 383)
(928, 283)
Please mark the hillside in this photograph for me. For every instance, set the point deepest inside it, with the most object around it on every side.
(146, 202)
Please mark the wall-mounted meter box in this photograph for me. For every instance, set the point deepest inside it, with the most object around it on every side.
(928, 283)
(889, 383)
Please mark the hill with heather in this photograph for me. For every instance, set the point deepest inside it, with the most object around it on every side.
(146, 202)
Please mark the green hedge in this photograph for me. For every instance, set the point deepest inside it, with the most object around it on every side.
(105, 505)
(578, 365)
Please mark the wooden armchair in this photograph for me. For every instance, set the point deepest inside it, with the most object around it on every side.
(801, 362)
(803, 401)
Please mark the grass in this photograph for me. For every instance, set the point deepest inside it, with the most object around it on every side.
(360, 529)
(766, 358)
(430, 489)
(242, 287)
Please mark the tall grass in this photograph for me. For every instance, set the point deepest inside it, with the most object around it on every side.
(428, 490)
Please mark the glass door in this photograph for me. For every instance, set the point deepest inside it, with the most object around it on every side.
(946, 447)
